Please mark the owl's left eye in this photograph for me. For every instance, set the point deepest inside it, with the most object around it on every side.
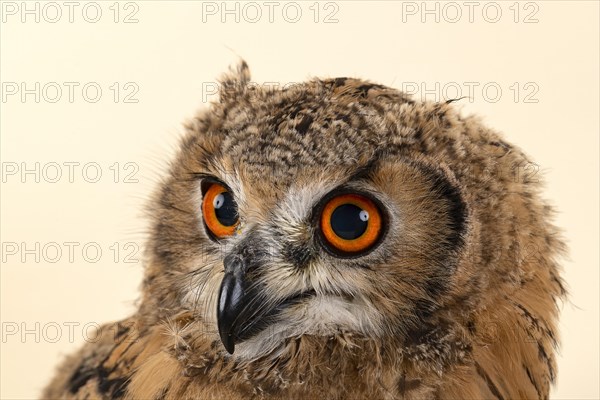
(351, 223)
(219, 211)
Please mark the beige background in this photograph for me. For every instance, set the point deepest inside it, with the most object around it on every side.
(171, 57)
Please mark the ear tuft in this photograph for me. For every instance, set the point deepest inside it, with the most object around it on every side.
(235, 81)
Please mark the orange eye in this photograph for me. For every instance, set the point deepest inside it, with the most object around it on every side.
(351, 223)
(219, 211)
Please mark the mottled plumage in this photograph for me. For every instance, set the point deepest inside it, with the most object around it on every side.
(456, 300)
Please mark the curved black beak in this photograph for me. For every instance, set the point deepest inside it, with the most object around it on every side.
(243, 309)
(231, 300)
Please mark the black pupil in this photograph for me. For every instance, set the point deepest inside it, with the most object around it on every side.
(225, 209)
(347, 223)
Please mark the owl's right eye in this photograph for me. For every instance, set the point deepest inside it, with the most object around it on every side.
(219, 211)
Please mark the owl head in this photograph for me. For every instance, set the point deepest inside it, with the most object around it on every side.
(342, 207)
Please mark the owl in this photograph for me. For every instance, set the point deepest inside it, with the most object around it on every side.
(336, 239)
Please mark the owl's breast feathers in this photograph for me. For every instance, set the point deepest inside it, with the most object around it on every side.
(173, 361)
